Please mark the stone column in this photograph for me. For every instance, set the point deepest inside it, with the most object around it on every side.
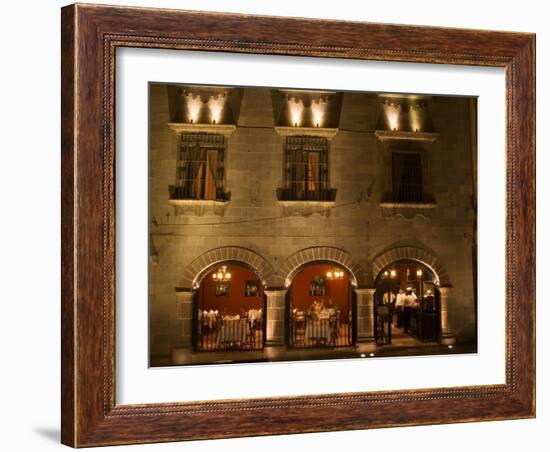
(447, 336)
(275, 317)
(184, 318)
(365, 314)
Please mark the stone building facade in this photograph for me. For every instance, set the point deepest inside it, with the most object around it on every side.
(358, 225)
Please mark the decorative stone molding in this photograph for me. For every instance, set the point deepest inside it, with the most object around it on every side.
(407, 210)
(198, 207)
(187, 127)
(294, 263)
(307, 208)
(324, 132)
(411, 253)
(194, 272)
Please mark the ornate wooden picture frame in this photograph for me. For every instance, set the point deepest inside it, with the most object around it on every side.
(90, 37)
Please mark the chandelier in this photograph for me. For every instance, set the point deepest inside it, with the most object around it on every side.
(221, 274)
(335, 274)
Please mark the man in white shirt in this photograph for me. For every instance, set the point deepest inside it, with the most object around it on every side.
(389, 297)
(409, 305)
(399, 306)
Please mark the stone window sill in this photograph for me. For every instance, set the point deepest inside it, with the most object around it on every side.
(198, 202)
(306, 203)
(408, 205)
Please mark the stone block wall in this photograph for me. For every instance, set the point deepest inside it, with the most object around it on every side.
(356, 224)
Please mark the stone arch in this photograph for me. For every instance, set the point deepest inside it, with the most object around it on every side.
(412, 253)
(294, 263)
(196, 270)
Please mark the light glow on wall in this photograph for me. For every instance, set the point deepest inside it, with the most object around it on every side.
(296, 108)
(318, 108)
(194, 105)
(216, 104)
(392, 116)
(415, 118)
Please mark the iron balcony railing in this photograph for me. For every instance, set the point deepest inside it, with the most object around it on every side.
(308, 330)
(216, 332)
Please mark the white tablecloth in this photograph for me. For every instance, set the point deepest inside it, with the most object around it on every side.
(233, 331)
(318, 329)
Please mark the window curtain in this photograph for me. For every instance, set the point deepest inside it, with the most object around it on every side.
(195, 172)
(299, 176)
(210, 176)
(313, 171)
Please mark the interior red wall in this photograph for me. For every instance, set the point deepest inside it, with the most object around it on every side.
(338, 290)
(236, 302)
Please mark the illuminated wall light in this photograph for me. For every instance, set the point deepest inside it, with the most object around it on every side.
(392, 116)
(216, 104)
(194, 105)
(415, 120)
(296, 108)
(318, 109)
(393, 273)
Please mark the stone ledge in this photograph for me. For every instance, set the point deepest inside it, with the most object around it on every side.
(408, 205)
(323, 132)
(397, 135)
(222, 129)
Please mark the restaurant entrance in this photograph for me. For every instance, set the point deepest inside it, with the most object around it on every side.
(321, 307)
(406, 303)
(229, 307)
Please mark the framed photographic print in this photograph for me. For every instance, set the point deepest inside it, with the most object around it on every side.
(311, 200)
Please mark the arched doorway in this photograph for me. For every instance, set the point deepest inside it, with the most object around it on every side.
(406, 303)
(321, 306)
(229, 309)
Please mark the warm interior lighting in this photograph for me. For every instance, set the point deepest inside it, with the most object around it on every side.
(335, 274)
(419, 272)
(221, 274)
(393, 273)
(216, 104)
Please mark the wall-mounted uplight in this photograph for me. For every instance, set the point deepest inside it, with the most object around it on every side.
(318, 109)
(194, 105)
(295, 108)
(216, 104)
(392, 111)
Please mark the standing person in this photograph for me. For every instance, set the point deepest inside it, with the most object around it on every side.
(388, 298)
(410, 301)
(399, 306)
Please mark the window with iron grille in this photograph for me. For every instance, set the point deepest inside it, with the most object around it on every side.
(407, 177)
(306, 169)
(200, 171)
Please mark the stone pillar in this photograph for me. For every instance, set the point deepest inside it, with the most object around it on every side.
(447, 336)
(184, 318)
(365, 314)
(275, 317)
